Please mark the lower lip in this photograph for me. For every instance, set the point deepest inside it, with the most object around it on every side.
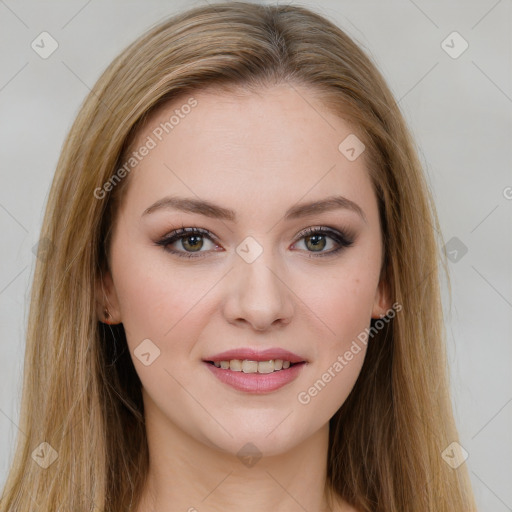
(257, 382)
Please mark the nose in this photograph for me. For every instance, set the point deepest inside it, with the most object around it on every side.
(259, 294)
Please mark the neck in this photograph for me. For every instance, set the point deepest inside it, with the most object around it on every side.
(189, 475)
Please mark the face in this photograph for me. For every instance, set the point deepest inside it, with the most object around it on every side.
(269, 275)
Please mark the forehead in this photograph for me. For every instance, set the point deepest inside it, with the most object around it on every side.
(274, 145)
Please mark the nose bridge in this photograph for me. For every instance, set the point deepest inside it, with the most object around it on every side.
(258, 291)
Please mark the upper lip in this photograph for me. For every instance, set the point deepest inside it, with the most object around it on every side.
(256, 355)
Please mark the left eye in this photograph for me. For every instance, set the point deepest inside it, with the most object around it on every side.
(316, 238)
(316, 242)
(192, 241)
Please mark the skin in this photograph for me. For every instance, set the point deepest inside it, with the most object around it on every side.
(257, 154)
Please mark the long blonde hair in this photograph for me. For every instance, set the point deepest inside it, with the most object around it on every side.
(81, 394)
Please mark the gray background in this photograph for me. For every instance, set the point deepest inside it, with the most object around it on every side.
(459, 110)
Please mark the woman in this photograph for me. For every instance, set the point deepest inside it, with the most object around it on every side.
(240, 306)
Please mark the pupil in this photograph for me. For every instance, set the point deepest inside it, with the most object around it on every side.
(193, 244)
(317, 242)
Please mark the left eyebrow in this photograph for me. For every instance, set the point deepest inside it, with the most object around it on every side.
(324, 205)
(209, 209)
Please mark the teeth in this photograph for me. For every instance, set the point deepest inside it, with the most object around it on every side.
(265, 367)
(248, 366)
(235, 365)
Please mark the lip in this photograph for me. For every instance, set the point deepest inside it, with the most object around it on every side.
(256, 355)
(256, 383)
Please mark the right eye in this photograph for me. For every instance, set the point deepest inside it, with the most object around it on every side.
(191, 240)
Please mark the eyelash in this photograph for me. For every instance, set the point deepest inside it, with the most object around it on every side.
(342, 239)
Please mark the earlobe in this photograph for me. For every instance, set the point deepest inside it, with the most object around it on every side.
(107, 306)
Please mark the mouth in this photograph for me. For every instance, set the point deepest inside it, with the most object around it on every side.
(252, 366)
(255, 377)
(253, 370)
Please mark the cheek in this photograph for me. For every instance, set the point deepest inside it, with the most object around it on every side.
(157, 301)
(342, 302)
(344, 306)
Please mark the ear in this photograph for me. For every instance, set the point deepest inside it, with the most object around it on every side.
(106, 300)
(382, 301)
